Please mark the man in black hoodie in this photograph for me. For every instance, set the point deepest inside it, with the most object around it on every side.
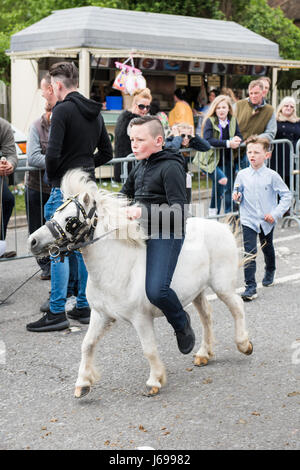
(77, 129)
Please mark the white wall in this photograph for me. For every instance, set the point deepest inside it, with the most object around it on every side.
(27, 103)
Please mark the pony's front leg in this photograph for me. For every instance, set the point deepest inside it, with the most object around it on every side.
(87, 374)
(145, 330)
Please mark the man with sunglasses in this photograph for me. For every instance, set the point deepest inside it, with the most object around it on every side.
(77, 130)
(139, 108)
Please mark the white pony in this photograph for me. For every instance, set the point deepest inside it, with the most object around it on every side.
(116, 267)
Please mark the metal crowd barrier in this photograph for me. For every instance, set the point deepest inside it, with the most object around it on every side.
(200, 193)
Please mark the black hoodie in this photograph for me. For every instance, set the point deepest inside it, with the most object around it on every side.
(77, 129)
(158, 185)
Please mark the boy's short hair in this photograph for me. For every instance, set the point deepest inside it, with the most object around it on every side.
(154, 124)
(256, 139)
(66, 72)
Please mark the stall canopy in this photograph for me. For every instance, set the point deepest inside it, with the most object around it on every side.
(109, 32)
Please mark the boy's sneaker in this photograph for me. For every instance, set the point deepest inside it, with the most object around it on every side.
(186, 337)
(49, 322)
(249, 294)
(80, 314)
(268, 279)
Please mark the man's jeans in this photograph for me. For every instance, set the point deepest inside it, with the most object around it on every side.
(250, 247)
(162, 255)
(60, 271)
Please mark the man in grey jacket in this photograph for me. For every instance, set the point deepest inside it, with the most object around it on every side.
(37, 191)
(8, 164)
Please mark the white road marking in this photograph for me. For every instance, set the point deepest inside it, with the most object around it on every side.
(279, 280)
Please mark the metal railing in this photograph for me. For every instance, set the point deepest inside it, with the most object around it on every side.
(202, 194)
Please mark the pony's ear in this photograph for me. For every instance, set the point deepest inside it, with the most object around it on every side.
(86, 199)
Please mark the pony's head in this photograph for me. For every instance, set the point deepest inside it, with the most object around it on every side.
(86, 212)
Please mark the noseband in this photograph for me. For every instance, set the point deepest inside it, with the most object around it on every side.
(81, 232)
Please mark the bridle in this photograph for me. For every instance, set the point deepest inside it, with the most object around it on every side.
(82, 232)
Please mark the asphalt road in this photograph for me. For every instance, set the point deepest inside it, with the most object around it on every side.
(236, 402)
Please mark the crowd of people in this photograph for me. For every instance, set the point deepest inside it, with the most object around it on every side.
(71, 134)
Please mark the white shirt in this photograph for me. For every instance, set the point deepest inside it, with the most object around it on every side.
(260, 190)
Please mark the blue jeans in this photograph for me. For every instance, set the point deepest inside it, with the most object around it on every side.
(250, 247)
(60, 270)
(230, 170)
(218, 189)
(162, 256)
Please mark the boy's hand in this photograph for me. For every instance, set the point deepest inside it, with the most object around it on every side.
(269, 218)
(134, 212)
(237, 196)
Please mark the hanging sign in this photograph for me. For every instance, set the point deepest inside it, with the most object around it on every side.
(181, 79)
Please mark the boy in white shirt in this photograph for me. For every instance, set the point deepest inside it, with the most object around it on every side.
(257, 189)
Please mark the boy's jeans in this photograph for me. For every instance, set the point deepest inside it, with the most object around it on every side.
(162, 255)
(59, 270)
(250, 246)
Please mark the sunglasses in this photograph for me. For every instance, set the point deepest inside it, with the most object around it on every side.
(186, 135)
(143, 106)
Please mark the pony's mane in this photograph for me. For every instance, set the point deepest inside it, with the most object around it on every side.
(111, 206)
(77, 181)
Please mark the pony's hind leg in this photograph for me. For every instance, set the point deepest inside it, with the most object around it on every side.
(145, 330)
(236, 306)
(87, 374)
(205, 312)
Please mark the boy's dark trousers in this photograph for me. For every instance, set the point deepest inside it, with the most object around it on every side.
(250, 247)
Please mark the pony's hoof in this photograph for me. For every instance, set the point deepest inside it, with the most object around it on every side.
(200, 361)
(250, 349)
(81, 392)
(151, 392)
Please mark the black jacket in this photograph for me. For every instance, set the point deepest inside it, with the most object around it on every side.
(122, 140)
(77, 129)
(158, 185)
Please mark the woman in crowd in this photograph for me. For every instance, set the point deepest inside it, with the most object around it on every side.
(140, 107)
(204, 110)
(288, 127)
(182, 112)
(220, 129)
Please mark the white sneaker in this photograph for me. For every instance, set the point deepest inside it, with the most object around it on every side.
(2, 247)
(212, 212)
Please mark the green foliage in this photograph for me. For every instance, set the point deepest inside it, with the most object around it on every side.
(253, 14)
(271, 23)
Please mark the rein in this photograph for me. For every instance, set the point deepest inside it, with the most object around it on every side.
(82, 232)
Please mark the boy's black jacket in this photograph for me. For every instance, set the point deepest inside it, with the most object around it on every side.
(77, 129)
(158, 184)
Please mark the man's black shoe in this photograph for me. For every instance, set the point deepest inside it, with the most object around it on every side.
(186, 337)
(80, 314)
(50, 322)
